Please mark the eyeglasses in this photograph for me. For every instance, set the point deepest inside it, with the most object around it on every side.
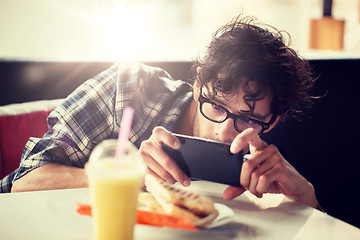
(217, 113)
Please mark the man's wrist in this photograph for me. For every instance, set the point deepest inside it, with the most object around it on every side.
(309, 198)
(318, 207)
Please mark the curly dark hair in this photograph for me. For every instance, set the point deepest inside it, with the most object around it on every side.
(246, 52)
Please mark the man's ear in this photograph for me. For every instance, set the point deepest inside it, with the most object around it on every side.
(273, 125)
(196, 90)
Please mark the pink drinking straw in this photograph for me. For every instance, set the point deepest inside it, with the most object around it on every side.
(123, 137)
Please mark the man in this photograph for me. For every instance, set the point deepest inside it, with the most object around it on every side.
(246, 82)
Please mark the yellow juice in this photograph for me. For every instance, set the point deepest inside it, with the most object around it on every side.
(114, 190)
(114, 204)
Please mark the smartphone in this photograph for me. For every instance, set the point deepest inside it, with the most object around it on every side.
(205, 159)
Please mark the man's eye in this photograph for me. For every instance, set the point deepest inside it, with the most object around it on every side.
(216, 107)
(248, 121)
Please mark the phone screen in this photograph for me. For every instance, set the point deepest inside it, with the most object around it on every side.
(207, 160)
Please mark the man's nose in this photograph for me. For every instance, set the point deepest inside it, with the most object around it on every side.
(226, 131)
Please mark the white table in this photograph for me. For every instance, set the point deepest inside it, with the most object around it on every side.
(51, 215)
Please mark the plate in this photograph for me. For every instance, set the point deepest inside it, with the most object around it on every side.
(224, 217)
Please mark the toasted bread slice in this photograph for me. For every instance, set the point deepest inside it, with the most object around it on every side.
(146, 201)
(180, 202)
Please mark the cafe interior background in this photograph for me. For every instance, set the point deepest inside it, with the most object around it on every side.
(48, 48)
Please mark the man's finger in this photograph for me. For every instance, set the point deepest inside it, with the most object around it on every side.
(155, 167)
(257, 164)
(245, 138)
(163, 165)
(232, 192)
(161, 135)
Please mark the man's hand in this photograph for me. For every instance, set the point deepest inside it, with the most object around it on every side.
(266, 171)
(158, 162)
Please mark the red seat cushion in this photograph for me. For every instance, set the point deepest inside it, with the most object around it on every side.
(15, 131)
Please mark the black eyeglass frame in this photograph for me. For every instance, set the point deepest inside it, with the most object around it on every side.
(264, 125)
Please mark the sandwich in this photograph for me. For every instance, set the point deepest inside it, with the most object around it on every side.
(165, 198)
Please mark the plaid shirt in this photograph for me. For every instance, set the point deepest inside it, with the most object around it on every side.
(93, 113)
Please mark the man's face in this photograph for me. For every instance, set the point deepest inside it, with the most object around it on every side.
(225, 131)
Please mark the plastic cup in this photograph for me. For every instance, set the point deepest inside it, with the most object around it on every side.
(114, 190)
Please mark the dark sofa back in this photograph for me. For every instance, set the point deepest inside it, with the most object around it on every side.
(322, 145)
(29, 81)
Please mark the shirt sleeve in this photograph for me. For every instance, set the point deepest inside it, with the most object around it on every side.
(76, 126)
